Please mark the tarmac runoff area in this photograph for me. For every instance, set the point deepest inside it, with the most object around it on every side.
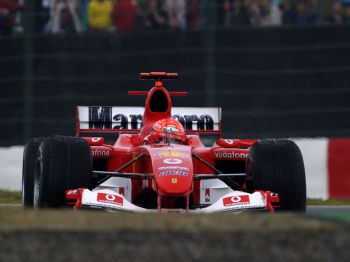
(63, 235)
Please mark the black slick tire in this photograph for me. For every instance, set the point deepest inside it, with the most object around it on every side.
(62, 163)
(28, 168)
(277, 166)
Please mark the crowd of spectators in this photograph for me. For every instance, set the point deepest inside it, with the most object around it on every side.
(8, 11)
(60, 16)
(116, 15)
(284, 12)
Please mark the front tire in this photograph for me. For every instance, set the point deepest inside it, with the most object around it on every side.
(62, 163)
(277, 166)
(29, 163)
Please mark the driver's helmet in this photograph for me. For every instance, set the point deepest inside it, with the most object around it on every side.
(167, 130)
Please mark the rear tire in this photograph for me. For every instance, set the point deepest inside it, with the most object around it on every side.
(62, 163)
(277, 166)
(29, 163)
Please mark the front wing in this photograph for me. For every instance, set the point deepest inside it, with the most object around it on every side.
(235, 201)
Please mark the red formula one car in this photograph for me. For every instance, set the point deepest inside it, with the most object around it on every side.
(161, 158)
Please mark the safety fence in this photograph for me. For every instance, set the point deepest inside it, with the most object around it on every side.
(270, 82)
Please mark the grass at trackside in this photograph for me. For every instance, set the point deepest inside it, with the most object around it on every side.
(339, 216)
(10, 197)
(14, 197)
(328, 202)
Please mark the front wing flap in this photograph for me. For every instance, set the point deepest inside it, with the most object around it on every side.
(235, 201)
(104, 198)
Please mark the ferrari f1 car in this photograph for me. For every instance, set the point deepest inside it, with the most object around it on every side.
(161, 158)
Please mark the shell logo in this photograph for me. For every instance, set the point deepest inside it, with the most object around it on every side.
(170, 154)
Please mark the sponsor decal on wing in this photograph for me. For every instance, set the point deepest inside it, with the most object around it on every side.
(110, 199)
(236, 200)
(107, 117)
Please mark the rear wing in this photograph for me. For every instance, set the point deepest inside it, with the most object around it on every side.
(93, 120)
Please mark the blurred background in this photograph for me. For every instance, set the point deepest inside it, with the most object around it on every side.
(278, 68)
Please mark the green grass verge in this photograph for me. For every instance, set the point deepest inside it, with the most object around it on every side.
(10, 197)
(328, 202)
(339, 216)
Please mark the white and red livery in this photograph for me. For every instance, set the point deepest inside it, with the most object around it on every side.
(111, 164)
